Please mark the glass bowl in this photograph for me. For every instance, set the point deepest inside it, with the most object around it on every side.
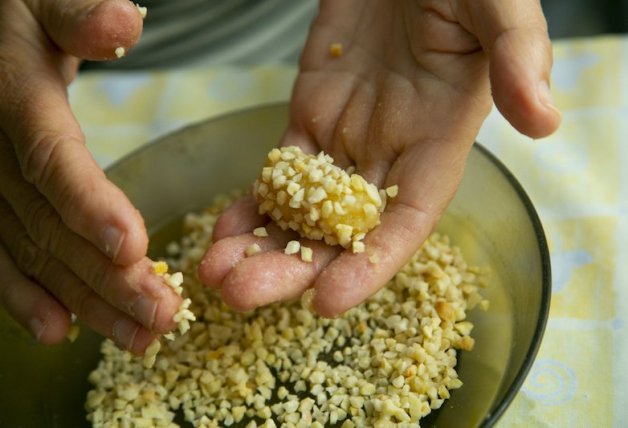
(491, 219)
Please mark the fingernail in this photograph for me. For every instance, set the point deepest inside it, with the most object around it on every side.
(112, 238)
(37, 328)
(545, 96)
(144, 310)
(124, 331)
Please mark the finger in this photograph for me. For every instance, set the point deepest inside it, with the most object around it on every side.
(68, 289)
(274, 276)
(52, 155)
(30, 305)
(134, 289)
(240, 217)
(92, 310)
(427, 176)
(226, 253)
(91, 29)
(514, 35)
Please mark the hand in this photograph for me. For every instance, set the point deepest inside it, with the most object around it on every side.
(70, 241)
(403, 103)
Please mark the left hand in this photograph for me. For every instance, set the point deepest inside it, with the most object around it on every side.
(404, 104)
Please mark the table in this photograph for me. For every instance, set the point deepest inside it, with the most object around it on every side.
(577, 179)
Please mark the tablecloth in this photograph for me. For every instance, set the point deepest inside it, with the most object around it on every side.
(577, 179)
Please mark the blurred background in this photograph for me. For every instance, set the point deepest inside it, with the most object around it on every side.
(582, 18)
(247, 32)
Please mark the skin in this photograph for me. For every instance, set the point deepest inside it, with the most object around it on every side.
(403, 104)
(70, 241)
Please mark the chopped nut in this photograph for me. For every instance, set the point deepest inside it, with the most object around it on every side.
(260, 232)
(390, 361)
(392, 191)
(306, 254)
(335, 50)
(292, 247)
(358, 247)
(150, 353)
(445, 311)
(73, 333)
(160, 268)
(253, 249)
(306, 298)
(142, 10)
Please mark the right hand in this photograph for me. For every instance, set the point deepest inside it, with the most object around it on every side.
(403, 104)
(70, 241)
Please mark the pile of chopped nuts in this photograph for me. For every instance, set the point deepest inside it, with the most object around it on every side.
(317, 199)
(390, 360)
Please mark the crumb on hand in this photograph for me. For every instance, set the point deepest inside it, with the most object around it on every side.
(335, 50)
(142, 10)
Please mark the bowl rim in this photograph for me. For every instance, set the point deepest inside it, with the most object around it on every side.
(546, 275)
(546, 289)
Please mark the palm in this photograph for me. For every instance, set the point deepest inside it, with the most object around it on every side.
(433, 84)
(403, 104)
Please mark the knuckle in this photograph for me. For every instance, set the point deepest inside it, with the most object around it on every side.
(8, 293)
(99, 279)
(68, 289)
(79, 301)
(42, 223)
(45, 155)
(28, 257)
(38, 158)
(46, 163)
(12, 84)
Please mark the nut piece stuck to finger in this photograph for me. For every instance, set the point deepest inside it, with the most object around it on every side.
(253, 249)
(142, 10)
(260, 232)
(335, 50)
(292, 247)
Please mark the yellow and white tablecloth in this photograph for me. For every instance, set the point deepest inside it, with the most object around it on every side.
(577, 179)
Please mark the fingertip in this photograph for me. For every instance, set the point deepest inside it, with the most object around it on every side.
(352, 278)
(112, 24)
(39, 313)
(224, 255)
(164, 315)
(218, 261)
(531, 112)
(235, 301)
(248, 286)
(266, 278)
(323, 309)
(94, 32)
(51, 326)
(520, 69)
(343, 285)
(552, 116)
(128, 243)
(533, 121)
(143, 338)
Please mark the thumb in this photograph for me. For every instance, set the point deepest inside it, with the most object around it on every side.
(90, 29)
(514, 35)
(48, 143)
